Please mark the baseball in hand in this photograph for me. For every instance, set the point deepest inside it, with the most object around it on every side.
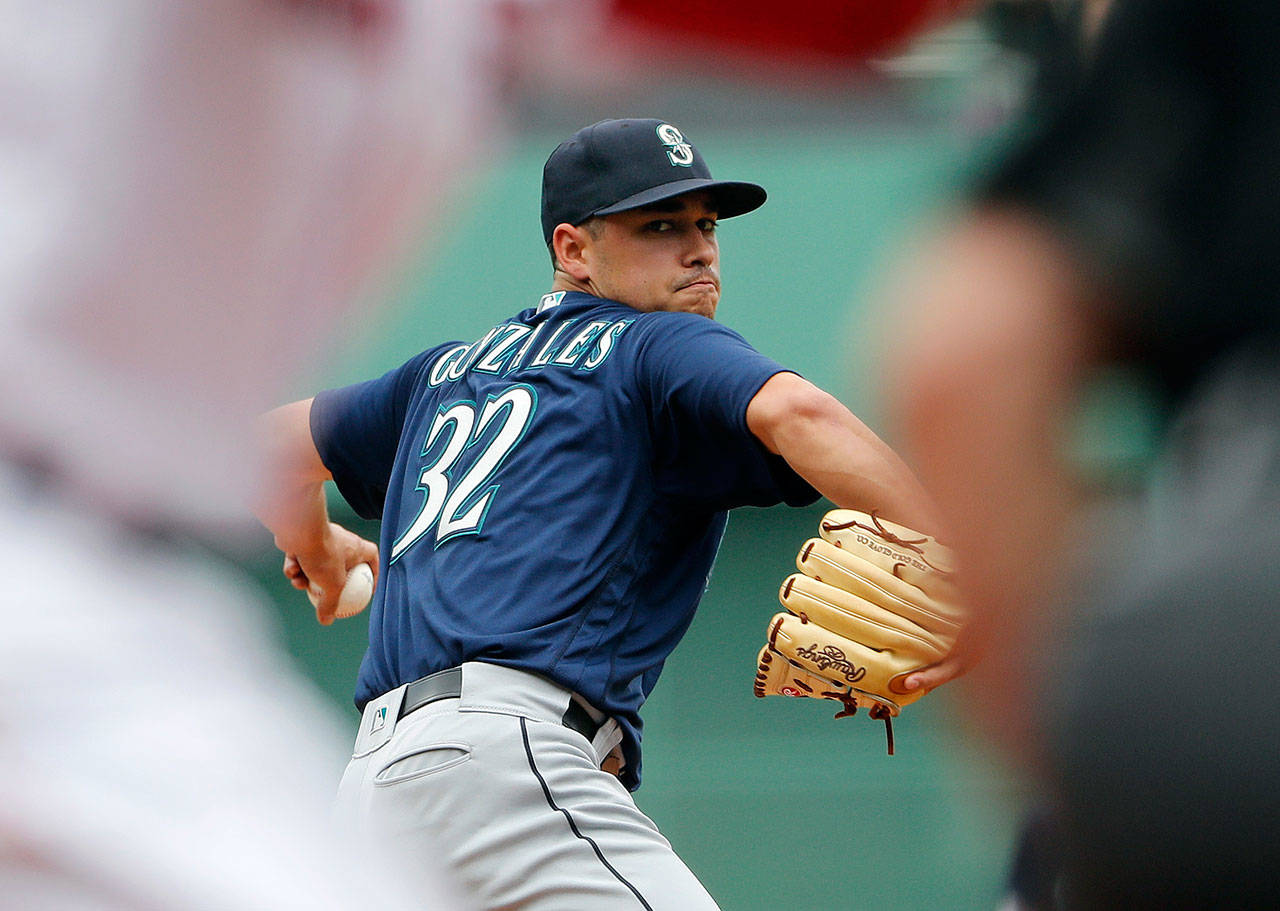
(356, 594)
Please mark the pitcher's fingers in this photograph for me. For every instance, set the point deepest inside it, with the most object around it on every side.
(293, 572)
(936, 675)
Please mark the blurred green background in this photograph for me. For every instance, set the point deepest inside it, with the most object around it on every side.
(771, 802)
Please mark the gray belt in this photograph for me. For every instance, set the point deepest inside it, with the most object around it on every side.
(447, 684)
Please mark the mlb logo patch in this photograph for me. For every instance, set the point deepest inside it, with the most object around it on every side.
(550, 300)
(379, 720)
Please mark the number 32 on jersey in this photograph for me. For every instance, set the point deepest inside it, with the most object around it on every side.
(450, 502)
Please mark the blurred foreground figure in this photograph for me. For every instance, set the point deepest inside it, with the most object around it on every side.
(189, 195)
(1136, 229)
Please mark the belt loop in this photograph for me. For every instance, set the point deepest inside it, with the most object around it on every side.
(606, 740)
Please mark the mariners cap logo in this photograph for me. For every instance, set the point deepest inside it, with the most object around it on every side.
(679, 151)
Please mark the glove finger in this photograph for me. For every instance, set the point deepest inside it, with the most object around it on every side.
(836, 566)
(906, 554)
(847, 570)
(842, 523)
(846, 614)
(841, 660)
(776, 676)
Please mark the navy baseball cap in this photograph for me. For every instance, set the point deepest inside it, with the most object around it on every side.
(616, 165)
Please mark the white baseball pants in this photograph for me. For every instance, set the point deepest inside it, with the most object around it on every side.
(515, 801)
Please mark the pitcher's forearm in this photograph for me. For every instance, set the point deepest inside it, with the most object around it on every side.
(298, 517)
(836, 453)
(291, 501)
(857, 473)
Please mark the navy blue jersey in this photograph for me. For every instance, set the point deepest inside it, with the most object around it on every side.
(553, 494)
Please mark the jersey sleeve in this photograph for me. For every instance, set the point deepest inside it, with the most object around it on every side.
(356, 430)
(697, 378)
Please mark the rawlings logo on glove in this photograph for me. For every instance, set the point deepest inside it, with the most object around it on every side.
(872, 603)
(831, 658)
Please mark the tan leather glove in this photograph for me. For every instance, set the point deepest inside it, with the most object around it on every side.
(873, 602)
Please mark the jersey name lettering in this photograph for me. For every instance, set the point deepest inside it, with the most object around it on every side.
(503, 349)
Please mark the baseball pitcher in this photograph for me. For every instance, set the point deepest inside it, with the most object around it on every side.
(552, 495)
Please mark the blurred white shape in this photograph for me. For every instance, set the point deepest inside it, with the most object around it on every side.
(190, 195)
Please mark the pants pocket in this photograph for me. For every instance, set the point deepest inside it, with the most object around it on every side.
(423, 761)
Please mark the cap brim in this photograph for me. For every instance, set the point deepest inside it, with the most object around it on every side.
(732, 197)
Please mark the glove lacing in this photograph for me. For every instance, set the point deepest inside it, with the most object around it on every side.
(884, 533)
(879, 711)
